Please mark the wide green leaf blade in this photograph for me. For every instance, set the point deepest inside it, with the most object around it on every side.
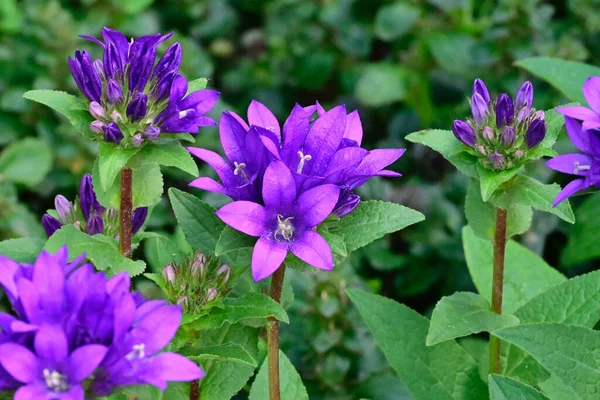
(503, 388)
(489, 180)
(463, 314)
(196, 84)
(26, 162)
(290, 382)
(22, 250)
(170, 155)
(444, 371)
(229, 352)
(72, 107)
(110, 162)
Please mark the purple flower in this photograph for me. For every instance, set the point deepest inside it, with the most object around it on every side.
(50, 224)
(285, 223)
(479, 108)
(505, 111)
(507, 138)
(87, 197)
(114, 93)
(136, 110)
(95, 225)
(63, 208)
(139, 217)
(525, 96)
(586, 166)
(589, 116)
(86, 76)
(496, 160)
(112, 133)
(535, 133)
(464, 132)
(482, 90)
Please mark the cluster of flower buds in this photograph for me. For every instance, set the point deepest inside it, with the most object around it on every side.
(87, 215)
(132, 100)
(501, 131)
(196, 281)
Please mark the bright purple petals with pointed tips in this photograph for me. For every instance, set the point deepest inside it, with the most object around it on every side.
(245, 216)
(481, 89)
(260, 115)
(464, 132)
(313, 250)
(267, 257)
(591, 92)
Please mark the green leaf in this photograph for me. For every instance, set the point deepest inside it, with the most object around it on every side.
(503, 388)
(229, 352)
(463, 314)
(251, 306)
(381, 83)
(445, 143)
(22, 250)
(102, 251)
(566, 76)
(290, 382)
(482, 216)
(202, 228)
(197, 84)
(159, 250)
(235, 247)
(110, 162)
(372, 220)
(568, 352)
(170, 155)
(75, 109)
(133, 6)
(554, 124)
(26, 162)
(394, 20)
(525, 274)
(440, 372)
(490, 180)
(556, 390)
(530, 192)
(585, 235)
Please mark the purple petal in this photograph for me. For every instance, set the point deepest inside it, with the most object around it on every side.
(377, 160)
(260, 115)
(202, 101)
(591, 92)
(19, 361)
(216, 162)
(174, 367)
(569, 190)
(269, 141)
(245, 216)
(51, 343)
(316, 204)
(567, 163)
(296, 126)
(314, 250)
(239, 119)
(354, 130)
(266, 258)
(578, 112)
(233, 139)
(209, 185)
(49, 278)
(157, 328)
(33, 392)
(323, 140)
(118, 39)
(179, 88)
(344, 162)
(7, 277)
(580, 139)
(320, 110)
(589, 124)
(84, 360)
(279, 187)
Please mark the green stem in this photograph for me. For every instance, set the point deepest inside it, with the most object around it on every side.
(498, 284)
(273, 336)
(126, 211)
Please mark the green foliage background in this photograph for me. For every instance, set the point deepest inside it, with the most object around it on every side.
(406, 65)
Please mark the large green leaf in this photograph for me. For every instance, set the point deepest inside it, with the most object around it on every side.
(503, 388)
(444, 371)
(159, 250)
(229, 351)
(568, 352)
(585, 235)
(170, 155)
(566, 76)
(381, 83)
(196, 84)
(26, 162)
(110, 162)
(489, 180)
(463, 314)
(235, 247)
(23, 250)
(72, 107)
(525, 274)
(291, 385)
(202, 228)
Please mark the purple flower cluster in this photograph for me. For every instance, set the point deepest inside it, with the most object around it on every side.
(86, 213)
(585, 135)
(77, 332)
(287, 181)
(134, 99)
(501, 131)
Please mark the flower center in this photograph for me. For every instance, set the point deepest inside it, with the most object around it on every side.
(284, 227)
(137, 352)
(55, 381)
(577, 167)
(303, 159)
(239, 170)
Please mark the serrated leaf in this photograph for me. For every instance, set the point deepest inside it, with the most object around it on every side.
(22, 250)
(75, 109)
(445, 143)
(196, 84)
(585, 235)
(527, 191)
(568, 352)
(554, 124)
(26, 162)
(525, 273)
(463, 314)
(102, 251)
(202, 228)
(556, 390)
(110, 162)
(370, 221)
(489, 180)
(503, 388)
(291, 385)
(444, 371)
(566, 76)
(170, 155)
(228, 352)
(482, 216)
(159, 250)
(232, 240)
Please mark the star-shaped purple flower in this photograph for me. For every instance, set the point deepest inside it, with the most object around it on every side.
(285, 222)
(589, 116)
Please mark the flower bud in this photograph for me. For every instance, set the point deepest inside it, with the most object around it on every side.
(505, 110)
(96, 110)
(539, 114)
(347, 205)
(152, 132)
(50, 224)
(519, 154)
(535, 133)
(211, 294)
(224, 270)
(488, 133)
(87, 197)
(99, 67)
(63, 208)
(525, 96)
(182, 302)
(137, 140)
(169, 274)
(95, 225)
(170, 61)
(116, 116)
(139, 217)
(497, 160)
(77, 225)
(114, 93)
(97, 126)
(479, 108)
(523, 114)
(481, 149)
(136, 110)
(198, 265)
(507, 138)
(464, 132)
(112, 133)
(482, 90)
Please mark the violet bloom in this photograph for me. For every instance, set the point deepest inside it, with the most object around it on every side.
(589, 116)
(131, 96)
(586, 166)
(285, 223)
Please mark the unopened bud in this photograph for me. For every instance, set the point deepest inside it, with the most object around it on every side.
(63, 208)
(99, 67)
(488, 133)
(77, 225)
(519, 154)
(497, 160)
(505, 110)
(97, 126)
(116, 116)
(96, 110)
(137, 140)
(481, 149)
(224, 270)
(523, 114)
(464, 132)
(211, 294)
(152, 132)
(169, 274)
(539, 114)
(508, 136)
(183, 302)
(198, 265)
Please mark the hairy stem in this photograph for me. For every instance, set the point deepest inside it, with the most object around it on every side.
(195, 390)
(126, 211)
(498, 284)
(273, 337)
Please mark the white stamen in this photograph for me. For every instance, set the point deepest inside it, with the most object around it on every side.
(270, 128)
(55, 381)
(184, 113)
(303, 159)
(284, 227)
(239, 170)
(137, 352)
(577, 167)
